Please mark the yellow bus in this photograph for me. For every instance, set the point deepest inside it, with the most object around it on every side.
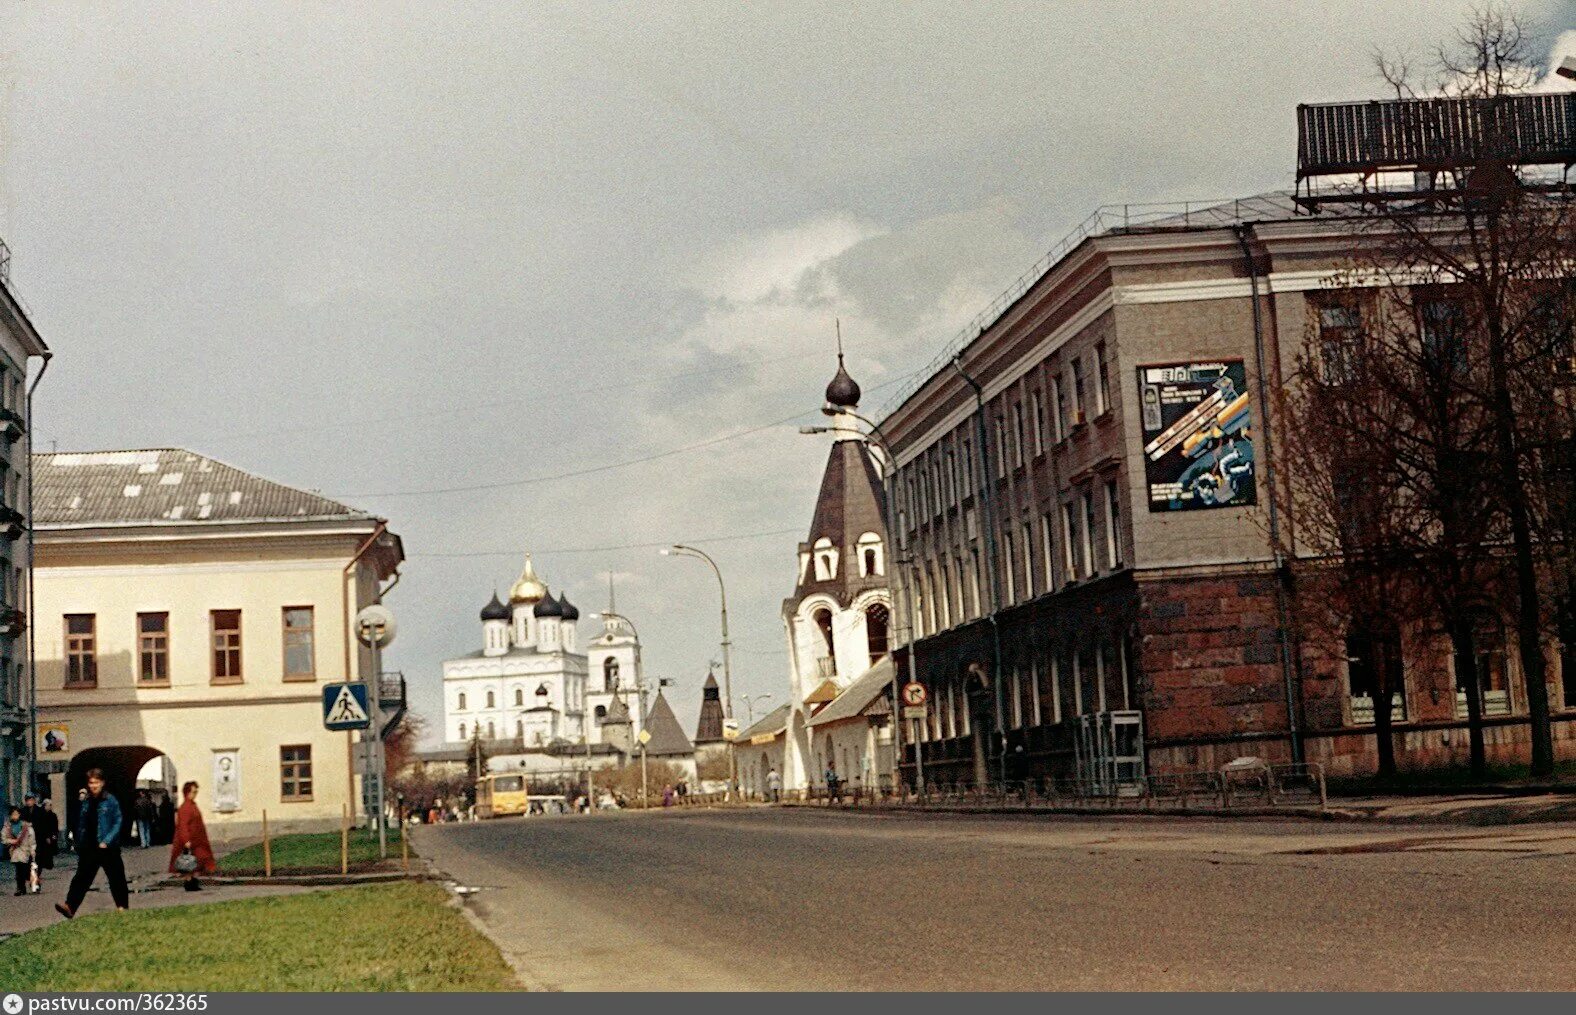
(498, 795)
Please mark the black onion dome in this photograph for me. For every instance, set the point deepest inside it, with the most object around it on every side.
(549, 607)
(843, 391)
(571, 612)
(495, 610)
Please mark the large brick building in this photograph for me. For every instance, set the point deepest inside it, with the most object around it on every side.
(1115, 601)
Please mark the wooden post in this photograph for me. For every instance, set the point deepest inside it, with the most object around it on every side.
(268, 856)
(404, 844)
(344, 839)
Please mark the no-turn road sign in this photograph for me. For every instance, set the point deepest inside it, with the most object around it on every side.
(914, 694)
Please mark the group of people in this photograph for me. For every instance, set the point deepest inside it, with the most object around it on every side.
(675, 793)
(31, 838)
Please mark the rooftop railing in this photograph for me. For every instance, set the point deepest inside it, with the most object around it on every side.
(1106, 220)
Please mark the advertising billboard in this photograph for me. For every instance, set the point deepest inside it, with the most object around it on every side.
(1197, 426)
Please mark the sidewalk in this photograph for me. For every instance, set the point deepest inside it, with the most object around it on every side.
(146, 871)
(1509, 808)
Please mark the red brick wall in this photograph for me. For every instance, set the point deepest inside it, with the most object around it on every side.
(1209, 655)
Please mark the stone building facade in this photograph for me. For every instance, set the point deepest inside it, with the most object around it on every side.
(20, 346)
(1084, 502)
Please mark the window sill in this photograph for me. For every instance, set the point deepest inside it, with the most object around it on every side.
(299, 678)
(153, 683)
(225, 681)
(79, 686)
(295, 799)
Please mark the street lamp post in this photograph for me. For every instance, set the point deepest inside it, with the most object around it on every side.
(680, 550)
(749, 705)
(902, 604)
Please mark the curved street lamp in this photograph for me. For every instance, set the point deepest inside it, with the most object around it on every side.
(680, 550)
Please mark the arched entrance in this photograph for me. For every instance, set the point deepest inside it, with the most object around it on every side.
(127, 770)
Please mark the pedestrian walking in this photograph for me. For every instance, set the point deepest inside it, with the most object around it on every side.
(145, 813)
(98, 848)
(191, 840)
(667, 796)
(19, 843)
(834, 785)
(47, 830)
(164, 824)
(73, 818)
(774, 784)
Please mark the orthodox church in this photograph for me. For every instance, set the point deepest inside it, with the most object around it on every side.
(838, 626)
(532, 684)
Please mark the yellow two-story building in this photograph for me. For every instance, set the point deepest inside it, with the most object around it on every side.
(187, 614)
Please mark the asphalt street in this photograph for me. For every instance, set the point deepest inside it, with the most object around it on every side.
(793, 899)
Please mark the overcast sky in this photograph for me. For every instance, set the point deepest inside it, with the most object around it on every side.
(381, 249)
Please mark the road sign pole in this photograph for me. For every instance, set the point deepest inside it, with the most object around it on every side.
(376, 705)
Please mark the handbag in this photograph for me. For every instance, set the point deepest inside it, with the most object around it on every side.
(186, 863)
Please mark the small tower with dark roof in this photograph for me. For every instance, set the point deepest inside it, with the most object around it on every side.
(709, 729)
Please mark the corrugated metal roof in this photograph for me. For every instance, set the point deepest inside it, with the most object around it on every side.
(866, 688)
(772, 724)
(160, 486)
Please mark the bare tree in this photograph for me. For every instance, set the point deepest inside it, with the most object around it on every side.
(1495, 243)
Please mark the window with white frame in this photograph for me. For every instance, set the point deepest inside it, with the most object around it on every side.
(825, 559)
(1027, 548)
(1037, 407)
(1088, 535)
(871, 564)
(1102, 383)
(1070, 541)
(1078, 390)
(1017, 435)
(1048, 551)
(1113, 526)
(1007, 557)
(1059, 410)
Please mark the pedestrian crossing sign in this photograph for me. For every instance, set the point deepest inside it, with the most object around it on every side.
(345, 707)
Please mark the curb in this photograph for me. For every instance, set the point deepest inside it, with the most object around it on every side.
(1477, 816)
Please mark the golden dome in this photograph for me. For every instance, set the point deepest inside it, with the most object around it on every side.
(528, 588)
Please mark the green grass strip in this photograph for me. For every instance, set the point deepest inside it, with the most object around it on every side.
(395, 937)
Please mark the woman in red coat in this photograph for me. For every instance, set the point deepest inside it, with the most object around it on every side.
(191, 834)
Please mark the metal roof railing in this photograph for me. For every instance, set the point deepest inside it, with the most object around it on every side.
(1111, 219)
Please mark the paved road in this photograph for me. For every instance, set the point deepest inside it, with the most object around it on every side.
(796, 899)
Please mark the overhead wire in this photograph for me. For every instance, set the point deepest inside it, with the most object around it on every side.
(606, 466)
(609, 549)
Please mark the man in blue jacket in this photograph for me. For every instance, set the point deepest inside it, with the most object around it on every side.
(98, 846)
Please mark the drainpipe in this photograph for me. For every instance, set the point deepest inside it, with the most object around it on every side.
(32, 636)
(1293, 725)
(988, 496)
(349, 621)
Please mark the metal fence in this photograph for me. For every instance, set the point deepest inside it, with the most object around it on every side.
(1254, 787)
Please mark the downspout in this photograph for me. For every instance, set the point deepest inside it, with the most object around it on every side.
(989, 497)
(1293, 725)
(344, 588)
(32, 636)
(344, 596)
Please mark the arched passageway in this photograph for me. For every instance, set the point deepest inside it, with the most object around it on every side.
(127, 771)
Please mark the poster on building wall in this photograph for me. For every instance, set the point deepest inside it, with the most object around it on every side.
(226, 781)
(54, 738)
(1197, 428)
